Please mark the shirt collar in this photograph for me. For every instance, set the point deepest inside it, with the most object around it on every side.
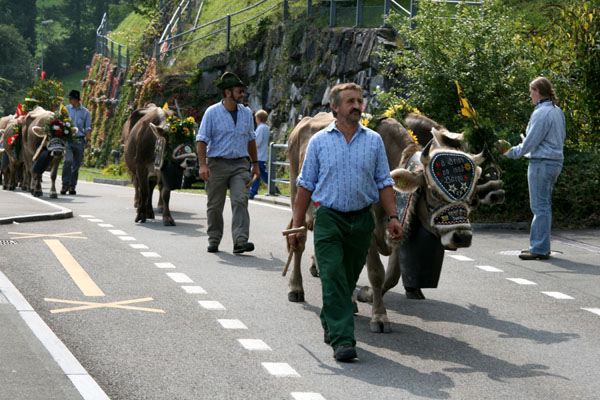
(543, 102)
(332, 127)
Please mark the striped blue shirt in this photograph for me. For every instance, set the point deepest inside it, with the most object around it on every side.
(81, 118)
(345, 176)
(546, 134)
(224, 138)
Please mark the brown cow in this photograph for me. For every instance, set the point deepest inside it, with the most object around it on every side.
(40, 151)
(443, 213)
(148, 163)
(11, 165)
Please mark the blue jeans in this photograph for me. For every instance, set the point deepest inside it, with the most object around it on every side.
(541, 175)
(73, 160)
(263, 175)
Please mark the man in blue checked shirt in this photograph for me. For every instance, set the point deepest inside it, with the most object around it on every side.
(345, 171)
(225, 140)
(74, 152)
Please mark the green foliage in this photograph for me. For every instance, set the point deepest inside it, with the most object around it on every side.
(46, 93)
(16, 72)
(115, 169)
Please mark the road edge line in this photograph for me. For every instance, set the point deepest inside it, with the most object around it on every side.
(77, 374)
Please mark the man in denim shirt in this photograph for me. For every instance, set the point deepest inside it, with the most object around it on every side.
(74, 152)
(345, 171)
(543, 146)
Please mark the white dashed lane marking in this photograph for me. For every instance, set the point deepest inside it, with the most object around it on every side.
(592, 310)
(194, 289)
(86, 216)
(282, 370)
(138, 246)
(96, 220)
(558, 295)
(164, 265)
(117, 232)
(458, 257)
(179, 277)
(211, 305)
(106, 226)
(150, 254)
(254, 345)
(129, 238)
(489, 268)
(521, 281)
(232, 324)
(307, 396)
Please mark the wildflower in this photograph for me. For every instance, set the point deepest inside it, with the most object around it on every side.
(365, 121)
(413, 136)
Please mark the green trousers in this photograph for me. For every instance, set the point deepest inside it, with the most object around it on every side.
(341, 247)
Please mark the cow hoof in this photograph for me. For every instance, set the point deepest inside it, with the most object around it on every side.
(355, 306)
(53, 196)
(314, 271)
(414, 293)
(365, 295)
(296, 297)
(159, 210)
(140, 218)
(38, 194)
(168, 222)
(380, 327)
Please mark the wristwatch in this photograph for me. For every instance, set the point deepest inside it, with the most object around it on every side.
(391, 217)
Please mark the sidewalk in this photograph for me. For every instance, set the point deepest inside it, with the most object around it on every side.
(18, 206)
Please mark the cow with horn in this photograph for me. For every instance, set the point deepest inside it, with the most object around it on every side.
(159, 148)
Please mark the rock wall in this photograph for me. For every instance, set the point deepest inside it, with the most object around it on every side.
(290, 69)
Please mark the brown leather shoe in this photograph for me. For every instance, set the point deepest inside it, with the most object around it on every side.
(527, 255)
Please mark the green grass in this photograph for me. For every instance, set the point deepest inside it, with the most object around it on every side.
(71, 81)
(88, 174)
(130, 32)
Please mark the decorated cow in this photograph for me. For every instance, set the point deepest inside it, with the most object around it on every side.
(159, 148)
(11, 160)
(45, 136)
(436, 188)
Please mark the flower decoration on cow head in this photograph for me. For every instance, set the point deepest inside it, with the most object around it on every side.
(180, 138)
(61, 125)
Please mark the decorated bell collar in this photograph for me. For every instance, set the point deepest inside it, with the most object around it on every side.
(183, 151)
(453, 174)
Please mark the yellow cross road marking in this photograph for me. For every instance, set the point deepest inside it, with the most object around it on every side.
(88, 305)
(76, 271)
(69, 235)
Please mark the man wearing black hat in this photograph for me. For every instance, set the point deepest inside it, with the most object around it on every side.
(74, 155)
(226, 145)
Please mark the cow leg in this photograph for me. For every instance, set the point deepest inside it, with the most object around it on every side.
(53, 172)
(393, 271)
(151, 186)
(296, 290)
(379, 321)
(161, 201)
(36, 185)
(142, 180)
(314, 268)
(165, 196)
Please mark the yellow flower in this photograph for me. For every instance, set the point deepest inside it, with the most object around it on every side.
(173, 129)
(365, 121)
(413, 136)
(186, 130)
(191, 119)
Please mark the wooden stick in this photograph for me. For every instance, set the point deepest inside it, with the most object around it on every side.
(287, 232)
(254, 178)
(293, 230)
(287, 264)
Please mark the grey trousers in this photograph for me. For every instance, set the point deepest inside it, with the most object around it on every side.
(233, 175)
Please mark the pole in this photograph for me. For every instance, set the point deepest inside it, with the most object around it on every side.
(271, 169)
(359, 13)
(332, 13)
(308, 7)
(285, 10)
(228, 30)
(42, 70)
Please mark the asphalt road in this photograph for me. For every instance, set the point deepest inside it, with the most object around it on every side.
(479, 335)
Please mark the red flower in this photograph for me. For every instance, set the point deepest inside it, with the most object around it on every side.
(12, 139)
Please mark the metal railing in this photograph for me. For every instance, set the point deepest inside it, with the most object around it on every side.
(272, 167)
(106, 46)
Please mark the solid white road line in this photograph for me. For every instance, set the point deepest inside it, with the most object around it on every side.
(96, 220)
(592, 310)
(194, 289)
(489, 268)
(179, 277)
(281, 370)
(558, 295)
(211, 305)
(106, 226)
(117, 232)
(138, 246)
(521, 281)
(254, 345)
(83, 382)
(164, 265)
(128, 238)
(232, 324)
(150, 254)
(307, 396)
(458, 257)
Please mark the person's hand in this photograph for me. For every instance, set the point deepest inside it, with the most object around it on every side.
(255, 171)
(204, 173)
(502, 146)
(395, 229)
(296, 240)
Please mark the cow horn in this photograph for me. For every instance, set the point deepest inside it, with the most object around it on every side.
(38, 131)
(478, 159)
(154, 130)
(425, 153)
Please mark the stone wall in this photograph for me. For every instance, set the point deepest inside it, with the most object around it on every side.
(290, 69)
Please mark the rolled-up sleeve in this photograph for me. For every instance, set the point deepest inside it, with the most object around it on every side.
(204, 130)
(382, 170)
(309, 174)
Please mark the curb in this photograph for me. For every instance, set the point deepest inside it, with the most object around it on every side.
(120, 182)
(63, 213)
(283, 201)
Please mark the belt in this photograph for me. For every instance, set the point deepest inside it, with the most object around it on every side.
(352, 213)
(229, 159)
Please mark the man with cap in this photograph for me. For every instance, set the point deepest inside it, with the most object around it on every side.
(226, 147)
(74, 155)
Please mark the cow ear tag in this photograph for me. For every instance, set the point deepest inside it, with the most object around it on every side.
(454, 174)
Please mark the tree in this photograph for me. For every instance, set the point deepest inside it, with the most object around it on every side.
(16, 69)
(22, 15)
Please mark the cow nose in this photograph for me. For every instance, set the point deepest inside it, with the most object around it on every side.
(462, 238)
(57, 153)
(190, 163)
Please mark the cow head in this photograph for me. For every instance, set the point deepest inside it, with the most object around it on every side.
(182, 153)
(446, 183)
(55, 145)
